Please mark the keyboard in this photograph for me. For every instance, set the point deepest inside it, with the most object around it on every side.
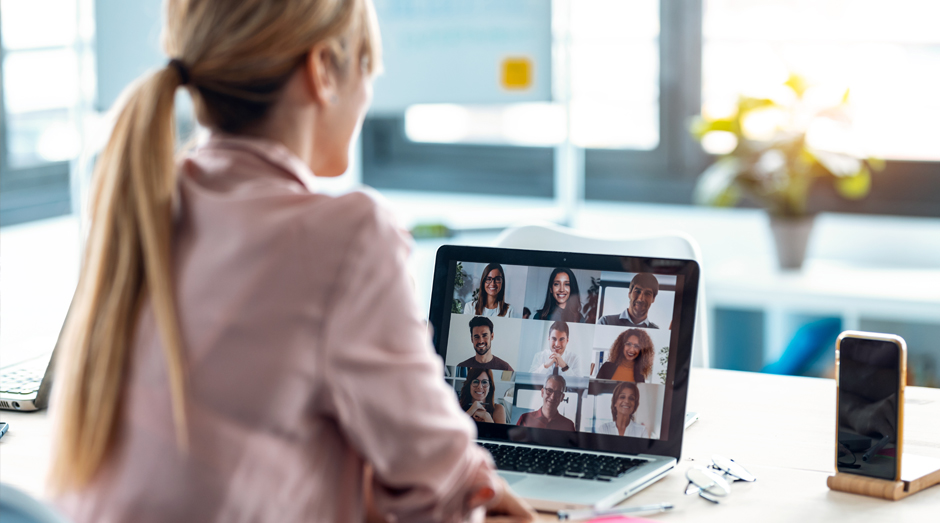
(569, 464)
(21, 379)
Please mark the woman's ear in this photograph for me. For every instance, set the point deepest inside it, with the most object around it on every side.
(320, 72)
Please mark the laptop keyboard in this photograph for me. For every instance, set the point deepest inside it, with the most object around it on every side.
(569, 464)
(21, 380)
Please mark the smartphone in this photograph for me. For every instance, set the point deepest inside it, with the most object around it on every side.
(870, 376)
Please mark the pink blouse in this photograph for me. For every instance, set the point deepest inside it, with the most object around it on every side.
(307, 357)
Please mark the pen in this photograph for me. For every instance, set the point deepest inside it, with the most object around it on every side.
(591, 513)
(877, 447)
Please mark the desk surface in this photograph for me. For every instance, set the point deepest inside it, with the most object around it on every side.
(781, 428)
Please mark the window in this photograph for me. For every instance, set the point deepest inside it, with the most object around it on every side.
(40, 93)
(641, 70)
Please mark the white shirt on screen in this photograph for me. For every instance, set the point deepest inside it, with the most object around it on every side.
(470, 308)
(574, 363)
(634, 429)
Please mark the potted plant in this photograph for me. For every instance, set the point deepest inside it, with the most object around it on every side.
(776, 149)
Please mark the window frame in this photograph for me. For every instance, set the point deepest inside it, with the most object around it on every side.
(666, 174)
(29, 193)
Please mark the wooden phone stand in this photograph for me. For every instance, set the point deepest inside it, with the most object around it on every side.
(918, 473)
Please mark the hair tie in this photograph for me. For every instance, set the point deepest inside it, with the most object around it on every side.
(181, 69)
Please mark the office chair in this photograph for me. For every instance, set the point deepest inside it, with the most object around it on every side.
(667, 244)
(809, 344)
(17, 506)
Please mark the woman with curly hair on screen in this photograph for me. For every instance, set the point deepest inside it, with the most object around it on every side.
(630, 358)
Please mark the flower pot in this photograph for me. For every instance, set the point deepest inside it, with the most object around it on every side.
(791, 236)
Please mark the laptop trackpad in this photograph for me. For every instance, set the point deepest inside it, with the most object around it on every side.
(512, 478)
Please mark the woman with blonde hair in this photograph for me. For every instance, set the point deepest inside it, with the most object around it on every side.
(223, 360)
(630, 358)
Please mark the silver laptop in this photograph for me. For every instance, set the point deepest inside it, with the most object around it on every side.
(574, 366)
(26, 385)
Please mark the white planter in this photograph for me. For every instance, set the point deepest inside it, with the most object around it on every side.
(791, 237)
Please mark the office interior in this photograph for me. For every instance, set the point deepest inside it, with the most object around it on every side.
(580, 113)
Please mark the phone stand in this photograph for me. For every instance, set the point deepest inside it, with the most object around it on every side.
(918, 473)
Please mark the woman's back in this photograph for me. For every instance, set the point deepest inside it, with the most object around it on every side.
(298, 325)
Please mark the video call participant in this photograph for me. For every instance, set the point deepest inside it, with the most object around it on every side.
(481, 336)
(491, 296)
(622, 408)
(548, 417)
(643, 290)
(630, 358)
(476, 397)
(556, 359)
(562, 298)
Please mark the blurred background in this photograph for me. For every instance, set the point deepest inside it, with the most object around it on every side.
(730, 120)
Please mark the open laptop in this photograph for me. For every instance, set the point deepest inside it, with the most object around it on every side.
(26, 385)
(539, 365)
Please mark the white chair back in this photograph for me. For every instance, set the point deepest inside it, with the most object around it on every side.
(667, 244)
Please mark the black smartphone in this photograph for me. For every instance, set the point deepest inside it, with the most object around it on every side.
(870, 374)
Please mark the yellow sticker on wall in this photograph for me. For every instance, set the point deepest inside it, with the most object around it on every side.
(516, 73)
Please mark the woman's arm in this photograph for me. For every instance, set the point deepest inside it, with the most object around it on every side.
(375, 359)
(606, 371)
(499, 413)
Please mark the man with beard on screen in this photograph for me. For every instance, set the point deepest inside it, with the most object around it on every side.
(643, 290)
(481, 336)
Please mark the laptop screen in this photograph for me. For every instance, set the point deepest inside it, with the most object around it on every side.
(565, 349)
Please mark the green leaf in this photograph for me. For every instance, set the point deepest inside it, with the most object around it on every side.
(747, 104)
(877, 164)
(701, 126)
(716, 185)
(840, 165)
(797, 83)
(856, 186)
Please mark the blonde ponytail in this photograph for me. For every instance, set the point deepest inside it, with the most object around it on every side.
(127, 260)
(235, 60)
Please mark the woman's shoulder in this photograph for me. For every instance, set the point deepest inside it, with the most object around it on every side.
(361, 214)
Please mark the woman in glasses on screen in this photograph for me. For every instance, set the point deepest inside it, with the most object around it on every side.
(241, 345)
(630, 358)
(491, 296)
(562, 298)
(476, 397)
(623, 406)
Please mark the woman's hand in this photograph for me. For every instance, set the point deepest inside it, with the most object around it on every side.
(509, 508)
(478, 412)
(484, 416)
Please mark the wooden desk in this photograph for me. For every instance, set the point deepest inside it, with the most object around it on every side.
(781, 428)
